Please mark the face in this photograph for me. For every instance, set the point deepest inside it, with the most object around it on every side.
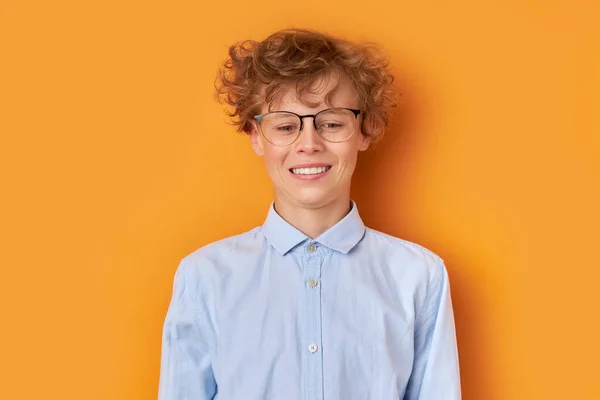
(338, 160)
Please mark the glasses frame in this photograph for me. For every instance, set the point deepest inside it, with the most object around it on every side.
(259, 118)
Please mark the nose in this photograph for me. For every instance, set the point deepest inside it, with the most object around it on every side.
(309, 140)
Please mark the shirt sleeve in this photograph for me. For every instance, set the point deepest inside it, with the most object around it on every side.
(185, 367)
(435, 374)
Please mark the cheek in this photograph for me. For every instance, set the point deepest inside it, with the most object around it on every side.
(349, 164)
(348, 158)
(274, 157)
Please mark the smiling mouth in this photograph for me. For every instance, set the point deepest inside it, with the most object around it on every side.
(310, 171)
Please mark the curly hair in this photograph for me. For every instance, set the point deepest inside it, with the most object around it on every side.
(256, 73)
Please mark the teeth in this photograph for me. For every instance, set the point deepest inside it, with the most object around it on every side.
(309, 171)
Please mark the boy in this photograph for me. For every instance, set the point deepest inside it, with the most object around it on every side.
(312, 304)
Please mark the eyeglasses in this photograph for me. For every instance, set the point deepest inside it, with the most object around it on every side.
(282, 128)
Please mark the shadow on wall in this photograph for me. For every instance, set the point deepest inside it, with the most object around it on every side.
(381, 188)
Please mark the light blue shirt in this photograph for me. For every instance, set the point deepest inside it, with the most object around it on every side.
(354, 314)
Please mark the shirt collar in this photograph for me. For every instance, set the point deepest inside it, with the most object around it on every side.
(342, 237)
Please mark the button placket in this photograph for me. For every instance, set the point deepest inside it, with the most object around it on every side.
(312, 260)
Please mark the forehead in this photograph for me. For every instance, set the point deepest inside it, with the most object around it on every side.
(332, 90)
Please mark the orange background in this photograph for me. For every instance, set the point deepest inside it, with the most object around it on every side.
(116, 162)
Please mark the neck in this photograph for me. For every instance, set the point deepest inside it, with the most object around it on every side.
(316, 220)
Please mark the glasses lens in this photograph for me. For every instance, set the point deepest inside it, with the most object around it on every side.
(280, 128)
(336, 124)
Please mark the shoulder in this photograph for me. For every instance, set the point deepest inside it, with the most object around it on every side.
(237, 245)
(397, 244)
(408, 257)
(217, 257)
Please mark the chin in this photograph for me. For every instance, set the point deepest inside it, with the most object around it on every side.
(312, 198)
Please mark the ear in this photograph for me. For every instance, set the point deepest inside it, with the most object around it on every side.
(365, 142)
(256, 139)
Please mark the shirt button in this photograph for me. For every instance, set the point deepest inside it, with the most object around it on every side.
(312, 348)
(311, 248)
(312, 282)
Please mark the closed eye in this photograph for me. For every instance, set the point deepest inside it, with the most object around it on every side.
(286, 128)
(331, 125)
